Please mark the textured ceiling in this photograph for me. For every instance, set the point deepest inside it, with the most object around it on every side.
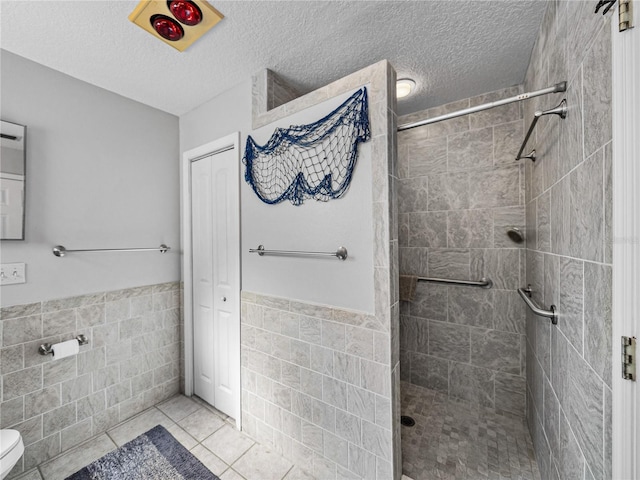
(453, 48)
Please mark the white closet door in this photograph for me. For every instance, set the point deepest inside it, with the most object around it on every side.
(216, 279)
(202, 235)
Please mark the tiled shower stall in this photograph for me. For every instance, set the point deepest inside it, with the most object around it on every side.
(460, 190)
(569, 246)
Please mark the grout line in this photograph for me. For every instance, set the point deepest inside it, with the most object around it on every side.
(583, 314)
(288, 471)
(575, 437)
(110, 438)
(604, 203)
(245, 452)
(584, 260)
(604, 430)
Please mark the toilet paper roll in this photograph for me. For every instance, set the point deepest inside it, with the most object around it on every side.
(65, 349)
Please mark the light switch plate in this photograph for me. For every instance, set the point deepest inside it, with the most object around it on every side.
(11, 273)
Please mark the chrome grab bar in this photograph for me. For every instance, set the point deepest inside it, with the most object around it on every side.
(60, 251)
(525, 294)
(560, 110)
(482, 283)
(341, 253)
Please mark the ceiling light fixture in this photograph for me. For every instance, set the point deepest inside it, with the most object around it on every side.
(178, 23)
(404, 87)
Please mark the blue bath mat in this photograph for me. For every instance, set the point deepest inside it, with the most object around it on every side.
(153, 455)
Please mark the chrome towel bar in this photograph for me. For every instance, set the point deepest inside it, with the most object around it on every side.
(560, 110)
(60, 251)
(525, 294)
(341, 253)
(482, 283)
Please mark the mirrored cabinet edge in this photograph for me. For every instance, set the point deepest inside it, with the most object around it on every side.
(13, 170)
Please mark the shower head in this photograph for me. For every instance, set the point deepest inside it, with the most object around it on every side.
(515, 234)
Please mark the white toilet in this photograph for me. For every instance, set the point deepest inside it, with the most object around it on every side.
(11, 449)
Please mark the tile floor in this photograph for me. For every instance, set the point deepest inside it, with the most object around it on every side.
(454, 440)
(451, 440)
(209, 434)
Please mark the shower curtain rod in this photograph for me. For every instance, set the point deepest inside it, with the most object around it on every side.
(558, 87)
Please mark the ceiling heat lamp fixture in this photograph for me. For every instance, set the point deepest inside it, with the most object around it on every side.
(186, 12)
(178, 23)
(167, 28)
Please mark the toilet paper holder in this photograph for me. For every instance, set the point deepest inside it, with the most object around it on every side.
(46, 348)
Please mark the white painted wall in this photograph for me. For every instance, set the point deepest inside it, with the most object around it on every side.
(315, 225)
(102, 172)
(312, 226)
(220, 116)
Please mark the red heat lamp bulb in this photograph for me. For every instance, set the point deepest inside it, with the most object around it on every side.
(186, 12)
(167, 28)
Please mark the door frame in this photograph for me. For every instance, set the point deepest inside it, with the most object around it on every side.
(228, 142)
(625, 85)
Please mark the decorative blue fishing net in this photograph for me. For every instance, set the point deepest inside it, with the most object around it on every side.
(310, 161)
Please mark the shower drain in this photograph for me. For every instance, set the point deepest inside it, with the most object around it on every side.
(407, 421)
